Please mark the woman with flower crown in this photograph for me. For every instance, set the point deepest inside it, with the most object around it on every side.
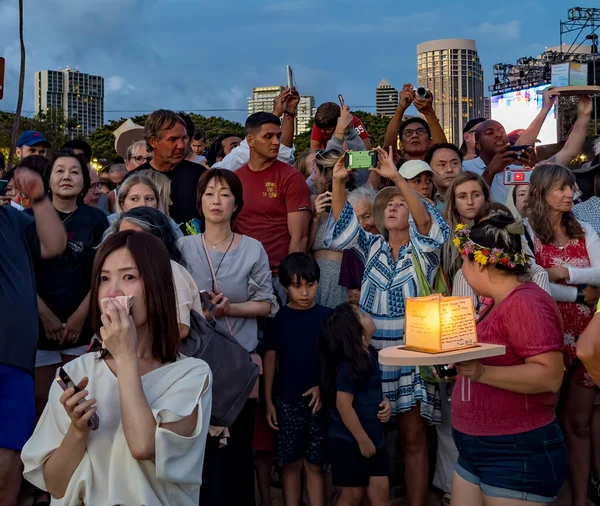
(511, 448)
(413, 231)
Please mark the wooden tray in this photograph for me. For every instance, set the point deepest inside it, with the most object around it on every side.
(568, 91)
(401, 356)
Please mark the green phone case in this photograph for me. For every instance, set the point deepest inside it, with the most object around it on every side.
(360, 160)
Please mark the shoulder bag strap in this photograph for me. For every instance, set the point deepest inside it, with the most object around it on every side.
(214, 277)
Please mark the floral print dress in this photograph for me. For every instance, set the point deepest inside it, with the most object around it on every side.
(576, 317)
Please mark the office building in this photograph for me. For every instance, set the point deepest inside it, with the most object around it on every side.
(80, 96)
(386, 98)
(451, 69)
(262, 101)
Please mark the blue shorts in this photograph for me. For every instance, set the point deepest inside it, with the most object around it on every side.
(301, 434)
(531, 466)
(17, 407)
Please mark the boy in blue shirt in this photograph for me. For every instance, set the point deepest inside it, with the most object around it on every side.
(292, 344)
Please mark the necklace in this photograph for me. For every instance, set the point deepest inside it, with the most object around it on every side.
(215, 244)
(68, 217)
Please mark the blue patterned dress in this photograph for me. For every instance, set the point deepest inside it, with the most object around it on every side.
(385, 286)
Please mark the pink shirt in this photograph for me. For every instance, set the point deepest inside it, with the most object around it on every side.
(528, 323)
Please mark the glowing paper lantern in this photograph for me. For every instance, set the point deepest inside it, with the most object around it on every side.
(436, 324)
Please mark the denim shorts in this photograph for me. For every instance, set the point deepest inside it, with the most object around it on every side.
(530, 466)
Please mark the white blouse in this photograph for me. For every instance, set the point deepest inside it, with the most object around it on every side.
(108, 475)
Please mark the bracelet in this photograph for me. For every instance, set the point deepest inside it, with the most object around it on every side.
(290, 114)
(37, 200)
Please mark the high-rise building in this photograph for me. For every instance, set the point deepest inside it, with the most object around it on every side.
(487, 107)
(262, 101)
(451, 69)
(306, 112)
(80, 96)
(386, 98)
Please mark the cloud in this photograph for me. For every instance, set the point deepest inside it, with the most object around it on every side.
(508, 30)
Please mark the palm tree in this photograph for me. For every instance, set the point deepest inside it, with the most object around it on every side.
(17, 120)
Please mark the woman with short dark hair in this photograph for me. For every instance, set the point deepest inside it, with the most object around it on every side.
(152, 404)
(63, 283)
(234, 269)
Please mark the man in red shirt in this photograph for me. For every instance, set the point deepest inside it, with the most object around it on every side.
(277, 200)
(326, 119)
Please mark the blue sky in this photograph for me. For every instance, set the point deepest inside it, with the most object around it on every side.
(208, 54)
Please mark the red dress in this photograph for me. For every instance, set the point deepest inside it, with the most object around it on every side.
(576, 317)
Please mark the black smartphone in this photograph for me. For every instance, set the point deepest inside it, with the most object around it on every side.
(65, 382)
(520, 148)
(445, 372)
(3, 187)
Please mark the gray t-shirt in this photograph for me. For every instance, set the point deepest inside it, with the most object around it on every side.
(19, 246)
(243, 275)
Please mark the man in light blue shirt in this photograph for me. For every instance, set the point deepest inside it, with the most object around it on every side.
(494, 157)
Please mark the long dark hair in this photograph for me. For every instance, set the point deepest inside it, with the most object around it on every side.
(341, 341)
(156, 223)
(543, 179)
(153, 263)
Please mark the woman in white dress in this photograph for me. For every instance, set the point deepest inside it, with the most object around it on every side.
(153, 404)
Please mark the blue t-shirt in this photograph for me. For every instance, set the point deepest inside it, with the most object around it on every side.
(367, 397)
(294, 335)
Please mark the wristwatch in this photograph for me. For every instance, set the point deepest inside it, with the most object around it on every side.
(580, 296)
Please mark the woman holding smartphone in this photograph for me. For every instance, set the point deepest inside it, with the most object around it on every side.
(153, 404)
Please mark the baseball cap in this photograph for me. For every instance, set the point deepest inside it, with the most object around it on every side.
(32, 138)
(513, 136)
(412, 168)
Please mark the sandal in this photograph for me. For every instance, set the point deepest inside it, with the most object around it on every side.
(447, 499)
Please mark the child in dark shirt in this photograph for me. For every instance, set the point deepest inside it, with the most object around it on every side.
(352, 384)
(294, 404)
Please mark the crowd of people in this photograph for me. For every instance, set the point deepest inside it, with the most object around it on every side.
(305, 266)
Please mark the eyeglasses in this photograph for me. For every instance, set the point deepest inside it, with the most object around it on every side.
(98, 186)
(409, 132)
(141, 159)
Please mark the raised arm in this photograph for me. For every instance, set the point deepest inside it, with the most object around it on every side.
(286, 104)
(425, 107)
(529, 136)
(576, 139)
(407, 95)
(414, 202)
(49, 228)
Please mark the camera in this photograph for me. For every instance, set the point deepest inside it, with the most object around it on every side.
(421, 92)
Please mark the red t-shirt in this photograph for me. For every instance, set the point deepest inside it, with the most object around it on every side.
(528, 323)
(269, 196)
(324, 138)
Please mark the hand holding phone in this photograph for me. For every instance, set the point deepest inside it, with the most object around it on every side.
(341, 99)
(361, 159)
(81, 411)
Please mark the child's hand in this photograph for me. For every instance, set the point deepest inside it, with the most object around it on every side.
(272, 416)
(315, 402)
(367, 448)
(385, 410)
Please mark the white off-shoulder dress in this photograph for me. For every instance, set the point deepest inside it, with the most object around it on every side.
(108, 475)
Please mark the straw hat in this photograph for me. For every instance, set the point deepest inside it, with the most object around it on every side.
(128, 133)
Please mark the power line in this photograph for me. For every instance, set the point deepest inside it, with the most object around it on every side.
(193, 110)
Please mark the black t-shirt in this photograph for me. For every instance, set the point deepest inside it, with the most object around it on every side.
(367, 397)
(19, 248)
(184, 183)
(294, 335)
(63, 282)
